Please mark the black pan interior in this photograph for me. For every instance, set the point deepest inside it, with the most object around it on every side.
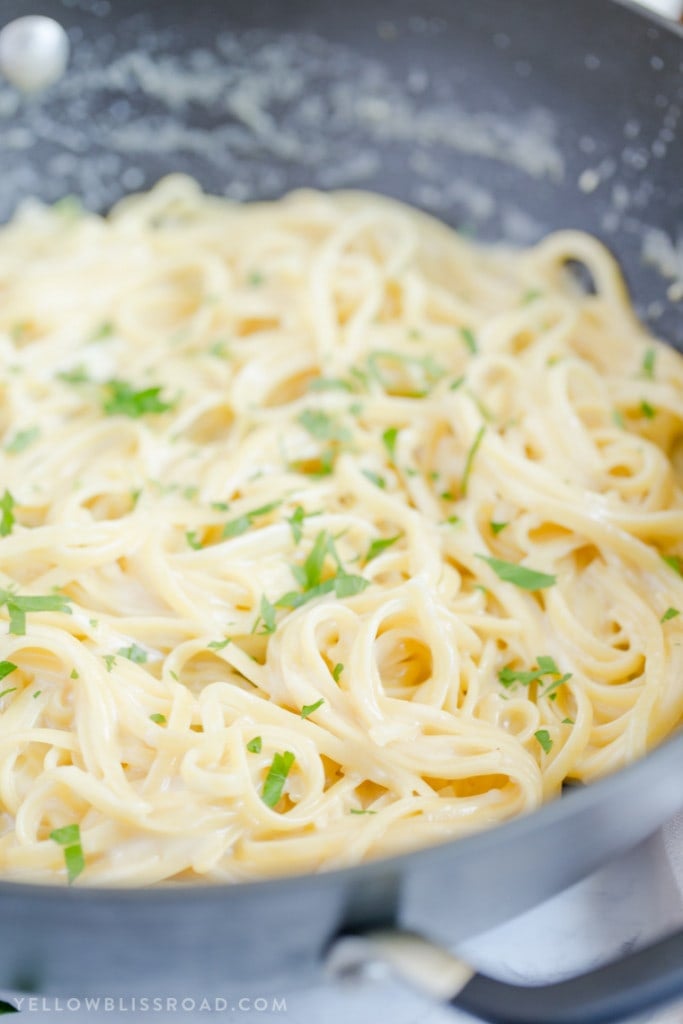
(507, 118)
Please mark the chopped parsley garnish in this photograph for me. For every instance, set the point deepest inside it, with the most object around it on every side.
(267, 617)
(531, 295)
(218, 645)
(618, 419)
(22, 440)
(470, 459)
(674, 562)
(192, 540)
(76, 375)
(343, 585)
(6, 669)
(18, 606)
(669, 614)
(121, 399)
(330, 384)
(427, 367)
(568, 721)
(337, 671)
(361, 810)
(375, 479)
(102, 331)
(310, 573)
(519, 575)
(255, 278)
(323, 427)
(133, 653)
(276, 778)
(457, 383)
(545, 667)
(236, 527)
(308, 709)
(468, 336)
(6, 514)
(254, 746)
(389, 440)
(378, 546)
(74, 674)
(11, 689)
(69, 207)
(497, 528)
(158, 719)
(69, 838)
(109, 661)
(296, 521)
(309, 576)
(647, 410)
(543, 737)
(648, 368)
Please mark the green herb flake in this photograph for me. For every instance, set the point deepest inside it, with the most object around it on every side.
(122, 399)
(378, 546)
(74, 674)
(70, 208)
(109, 661)
(519, 575)
(647, 410)
(133, 653)
(6, 669)
(308, 709)
(648, 366)
(255, 278)
(568, 721)
(322, 426)
(192, 540)
(674, 562)
(543, 737)
(531, 295)
(76, 375)
(618, 419)
(545, 666)
(468, 336)
(276, 778)
(337, 671)
(22, 440)
(669, 614)
(6, 514)
(497, 528)
(219, 645)
(389, 441)
(456, 384)
(236, 527)
(158, 719)
(361, 810)
(18, 606)
(330, 384)
(470, 459)
(102, 331)
(296, 521)
(11, 689)
(267, 617)
(254, 746)
(69, 838)
(375, 478)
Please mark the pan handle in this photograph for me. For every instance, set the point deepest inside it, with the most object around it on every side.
(636, 983)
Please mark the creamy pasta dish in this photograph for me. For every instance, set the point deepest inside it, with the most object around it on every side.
(325, 533)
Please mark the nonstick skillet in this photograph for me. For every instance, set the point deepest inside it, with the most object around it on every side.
(507, 118)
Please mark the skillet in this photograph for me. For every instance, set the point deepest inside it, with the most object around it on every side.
(506, 118)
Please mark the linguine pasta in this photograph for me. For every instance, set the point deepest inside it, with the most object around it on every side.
(325, 534)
